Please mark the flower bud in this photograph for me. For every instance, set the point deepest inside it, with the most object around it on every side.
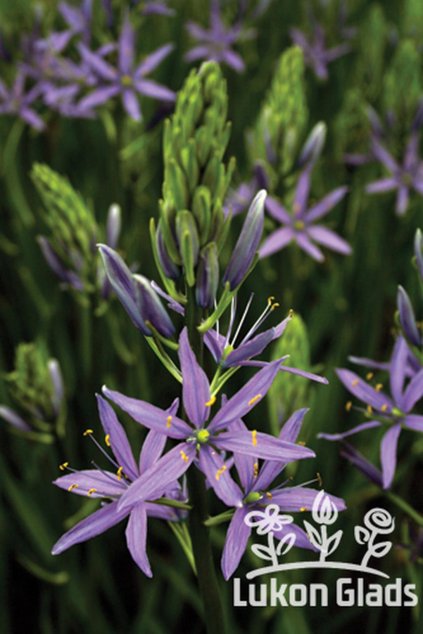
(151, 308)
(207, 276)
(168, 266)
(247, 244)
(113, 225)
(407, 318)
(418, 252)
(187, 234)
(313, 146)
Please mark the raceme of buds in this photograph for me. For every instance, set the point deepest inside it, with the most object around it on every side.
(196, 178)
(246, 247)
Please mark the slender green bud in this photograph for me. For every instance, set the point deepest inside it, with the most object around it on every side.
(186, 230)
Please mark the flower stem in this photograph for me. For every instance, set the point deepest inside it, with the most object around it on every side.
(404, 506)
(200, 537)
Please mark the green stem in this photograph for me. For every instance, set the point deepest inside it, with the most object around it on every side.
(200, 536)
(404, 506)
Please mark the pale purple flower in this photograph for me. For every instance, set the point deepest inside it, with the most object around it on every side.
(18, 100)
(199, 439)
(257, 490)
(127, 79)
(403, 177)
(110, 486)
(316, 53)
(300, 225)
(155, 7)
(393, 411)
(216, 43)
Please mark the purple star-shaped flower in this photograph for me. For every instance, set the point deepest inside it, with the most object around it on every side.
(256, 492)
(300, 226)
(216, 43)
(199, 440)
(126, 80)
(393, 412)
(110, 486)
(403, 177)
(18, 101)
(316, 55)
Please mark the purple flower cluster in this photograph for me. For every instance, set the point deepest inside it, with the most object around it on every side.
(50, 75)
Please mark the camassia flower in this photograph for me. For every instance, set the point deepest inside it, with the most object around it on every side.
(126, 80)
(199, 440)
(216, 43)
(18, 100)
(257, 491)
(316, 54)
(110, 486)
(403, 177)
(299, 226)
(392, 412)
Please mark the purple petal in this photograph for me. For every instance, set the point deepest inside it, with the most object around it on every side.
(105, 483)
(407, 317)
(291, 428)
(152, 449)
(298, 498)
(197, 52)
(195, 384)
(249, 349)
(154, 482)
(136, 538)
(388, 454)
(98, 97)
(32, 118)
(118, 438)
(215, 342)
(218, 475)
(149, 415)
(398, 366)
(131, 105)
(414, 391)
(351, 432)
(235, 543)
(150, 88)
(370, 363)
(247, 397)
(381, 186)
(382, 154)
(97, 63)
(244, 464)
(277, 211)
(329, 239)
(260, 445)
(306, 245)
(126, 47)
(415, 422)
(362, 464)
(153, 60)
(277, 240)
(306, 375)
(302, 192)
(363, 391)
(90, 527)
(326, 204)
(233, 60)
(11, 417)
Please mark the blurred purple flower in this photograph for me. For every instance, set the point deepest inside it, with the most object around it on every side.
(390, 411)
(126, 80)
(18, 101)
(78, 20)
(216, 43)
(256, 492)
(196, 440)
(239, 199)
(403, 177)
(157, 8)
(112, 485)
(316, 55)
(300, 226)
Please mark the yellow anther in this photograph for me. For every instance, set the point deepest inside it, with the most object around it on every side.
(220, 472)
(348, 406)
(120, 473)
(378, 387)
(303, 509)
(274, 306)
(184, 456)
(255, 469)
(169, 421)
(369, 409)
(369, 376)
(384, 408)
(301, 442)
(319, 479)
(91, 491)
(211, 402)
(291, 313)
(63, 466)
(254, 437)
(88, 432)
(270, 300)
(107, 439)
(253, 400)
(72, 487)
(269, 495)
(355, 382)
